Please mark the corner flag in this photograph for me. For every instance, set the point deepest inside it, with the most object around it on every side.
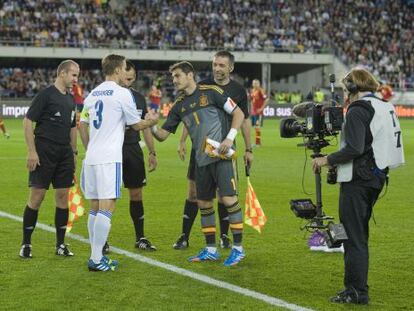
(253, 214)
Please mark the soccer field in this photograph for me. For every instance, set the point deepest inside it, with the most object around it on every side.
(278, 262)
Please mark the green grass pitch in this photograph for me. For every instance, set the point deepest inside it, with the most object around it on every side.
(278, 262)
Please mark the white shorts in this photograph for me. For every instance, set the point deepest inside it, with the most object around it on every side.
(101, 181)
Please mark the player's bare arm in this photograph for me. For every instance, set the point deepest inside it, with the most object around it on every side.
(248, 155)
(182, 148)
(84, 134)
(159, 133)
(151, 119)
(152, 156)
(73, 142)
(237, 120)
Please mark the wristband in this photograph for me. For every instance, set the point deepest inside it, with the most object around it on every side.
(154, 129)
(249, 150)
(153, 153)
(232, 134)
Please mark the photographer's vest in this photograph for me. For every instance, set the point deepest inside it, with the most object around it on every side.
(387, 145)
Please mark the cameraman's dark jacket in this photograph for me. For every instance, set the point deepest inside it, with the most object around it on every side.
(358, 140)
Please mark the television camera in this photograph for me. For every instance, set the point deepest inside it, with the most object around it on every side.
(320, 122)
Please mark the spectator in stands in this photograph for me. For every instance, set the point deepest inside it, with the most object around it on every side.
(318, 96)
(384, 48)
(281, 97)
(296, 98)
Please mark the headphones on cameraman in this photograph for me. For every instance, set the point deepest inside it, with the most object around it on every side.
(350, 85)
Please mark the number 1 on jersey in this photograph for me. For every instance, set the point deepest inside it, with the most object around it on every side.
(98, 120)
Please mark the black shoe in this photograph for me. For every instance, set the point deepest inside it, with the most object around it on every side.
(144, 244)
(350, 295)
(26, 251)
(182, 242)
(225, 241)
(105, 248)
(63, 250)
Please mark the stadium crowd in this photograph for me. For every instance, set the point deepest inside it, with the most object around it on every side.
(23, 82)
(311, 26)
(27, 82)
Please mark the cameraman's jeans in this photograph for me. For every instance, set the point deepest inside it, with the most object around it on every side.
(355, 209)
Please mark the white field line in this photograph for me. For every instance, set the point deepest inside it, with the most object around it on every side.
(196, 276)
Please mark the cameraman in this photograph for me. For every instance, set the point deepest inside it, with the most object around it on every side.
(371, 143)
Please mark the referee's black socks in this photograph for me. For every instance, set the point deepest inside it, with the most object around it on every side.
(61, 221)
(136, 210)
(29, 224)
(190, 214)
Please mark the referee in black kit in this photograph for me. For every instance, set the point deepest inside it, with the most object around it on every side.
(371, 144)
(51, 153)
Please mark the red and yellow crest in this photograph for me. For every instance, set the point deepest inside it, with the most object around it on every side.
(203, 101)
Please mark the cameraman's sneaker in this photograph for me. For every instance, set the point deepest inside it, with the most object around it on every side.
(334, 249)
(205, 255)
(103, 266)
(63, 250)
(350, 296)
(225, 241)
(317, 242)
(144, 244)
(105, 248)
(235, 257)
(26, 251)
(182, 242)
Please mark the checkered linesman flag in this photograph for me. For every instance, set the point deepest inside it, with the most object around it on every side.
(253, 214)
(75, 204)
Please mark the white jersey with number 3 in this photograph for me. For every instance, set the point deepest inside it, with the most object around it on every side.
(107, 109)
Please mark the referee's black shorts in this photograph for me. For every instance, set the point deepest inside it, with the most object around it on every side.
(57, 165)
(133, 167)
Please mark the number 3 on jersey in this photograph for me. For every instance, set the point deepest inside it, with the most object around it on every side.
(98, 119)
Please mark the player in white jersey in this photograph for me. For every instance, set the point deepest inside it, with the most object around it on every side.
(107, 109)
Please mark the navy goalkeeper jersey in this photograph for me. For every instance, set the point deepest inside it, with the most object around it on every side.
(203, 114)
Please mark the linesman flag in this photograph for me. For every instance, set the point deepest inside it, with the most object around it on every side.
(75, 203)
(253, 214)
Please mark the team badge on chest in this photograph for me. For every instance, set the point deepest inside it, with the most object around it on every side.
(203, 101)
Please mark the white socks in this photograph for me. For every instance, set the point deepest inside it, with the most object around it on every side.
(100, 234)
(91, 224)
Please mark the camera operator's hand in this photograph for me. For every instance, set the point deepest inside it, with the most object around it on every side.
(317, 163)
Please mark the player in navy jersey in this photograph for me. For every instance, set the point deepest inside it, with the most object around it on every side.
(222, 66)
(204, 110)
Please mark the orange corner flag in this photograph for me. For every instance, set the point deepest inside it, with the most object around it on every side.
(253, 214)
(75, 203)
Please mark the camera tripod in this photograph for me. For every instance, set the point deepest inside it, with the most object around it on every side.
(316, 143)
